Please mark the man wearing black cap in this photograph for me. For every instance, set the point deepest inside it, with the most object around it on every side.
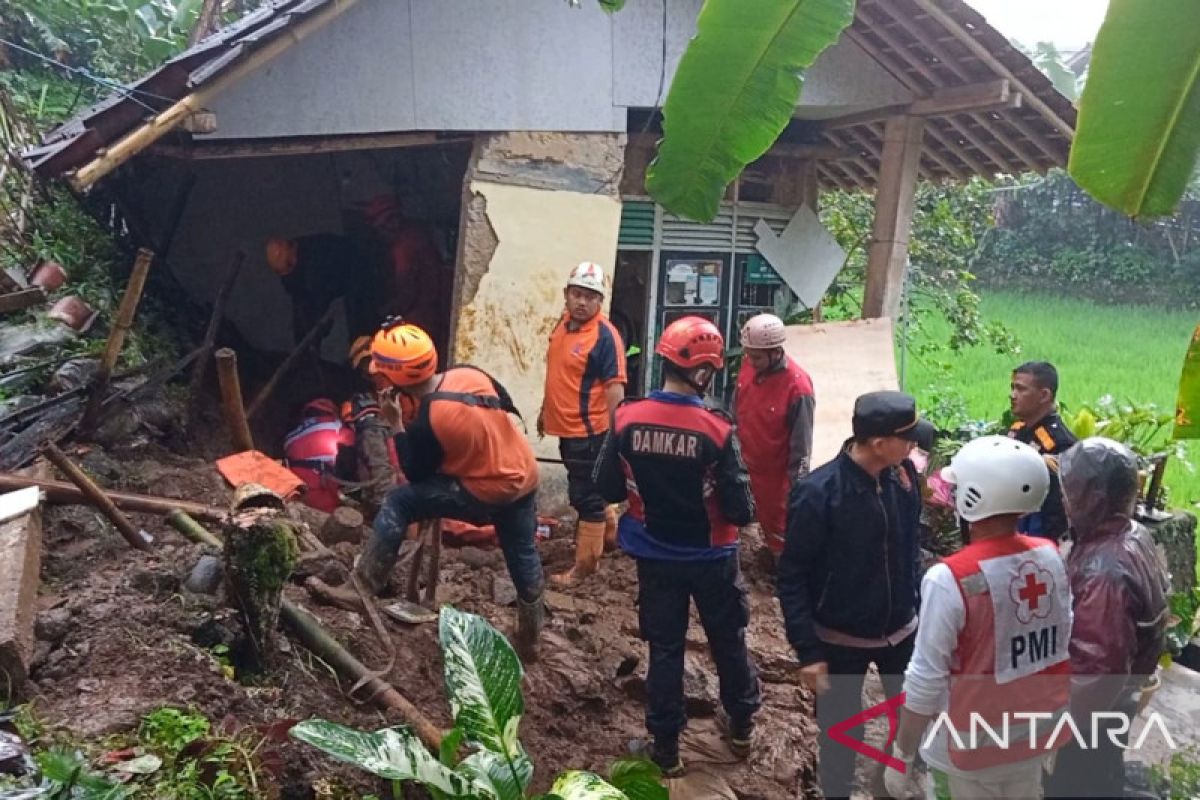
(848, 576)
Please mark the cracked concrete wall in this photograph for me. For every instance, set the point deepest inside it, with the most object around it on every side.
(535, 205)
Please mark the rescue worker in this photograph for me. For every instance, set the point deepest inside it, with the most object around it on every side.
(773, 407)
(1119, 590)
(464, 459)
(1032, 397)
(847, 581)
(320, 450)
(376, 461)
(677, 462)
(316, 270)
(585, 380)
(992, 646)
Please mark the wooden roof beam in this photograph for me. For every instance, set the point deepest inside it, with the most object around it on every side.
(929, 153)
(976, 97)
(309, 145)
(798, 150)
(833, 178)
(857, 160)
(962, 155)
(995, 64)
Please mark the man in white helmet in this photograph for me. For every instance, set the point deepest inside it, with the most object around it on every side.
(773, 409)
(992, 645)
(585, 380)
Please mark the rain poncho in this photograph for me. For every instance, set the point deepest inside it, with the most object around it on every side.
(1118, 583)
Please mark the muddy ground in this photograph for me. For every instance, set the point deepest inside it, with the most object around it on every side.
(119, 637)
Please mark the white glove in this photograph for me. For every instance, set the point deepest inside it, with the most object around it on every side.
(901, 785)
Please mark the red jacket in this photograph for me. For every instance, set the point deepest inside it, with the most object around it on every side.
(774, 413)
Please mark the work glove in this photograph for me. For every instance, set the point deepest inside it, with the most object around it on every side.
(358, 407)
(902, 785)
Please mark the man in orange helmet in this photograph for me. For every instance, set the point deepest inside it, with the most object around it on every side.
(585, 380)
(465, 459)
(678, 464)
(316, 270)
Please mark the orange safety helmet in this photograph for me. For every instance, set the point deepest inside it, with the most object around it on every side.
(360, 350)
(281, 255)
(692, 342)
(404, 354)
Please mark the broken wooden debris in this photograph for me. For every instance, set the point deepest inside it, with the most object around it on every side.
(433, 571)
(231, 399)
(62, 493)
(136, 538)
(116, 338)
(18, 301)
(210, 333)
(310, 339)
(20, 565)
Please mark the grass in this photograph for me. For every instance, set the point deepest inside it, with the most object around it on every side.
(1131, 352)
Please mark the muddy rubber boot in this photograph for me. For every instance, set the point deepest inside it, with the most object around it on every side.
(611, 517)
(374, 565)
(589, 547)
(530, 618)
(665, 753)
(741, 737)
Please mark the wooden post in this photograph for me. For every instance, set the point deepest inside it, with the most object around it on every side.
(434, 571)
(96, 496)
(231, 399)
(214, 324)
(894, 195)
(121, 326)
(301, 348)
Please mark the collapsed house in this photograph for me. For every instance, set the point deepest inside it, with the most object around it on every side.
(519, 134)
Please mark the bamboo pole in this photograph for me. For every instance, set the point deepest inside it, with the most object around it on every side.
(214, 324)
(96, 496)
(116, 339)
(231, 399)
(284, 368)
(61, 493)
(178, 519)
(139, 138)
(434, 570)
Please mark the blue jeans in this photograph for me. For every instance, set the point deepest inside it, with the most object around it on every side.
(443, 496)
(665, 592)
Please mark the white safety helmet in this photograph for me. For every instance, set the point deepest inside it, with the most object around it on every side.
(995, 475)
(588, 275)
(763, 332)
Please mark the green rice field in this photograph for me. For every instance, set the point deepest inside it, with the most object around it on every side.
(1130, 352)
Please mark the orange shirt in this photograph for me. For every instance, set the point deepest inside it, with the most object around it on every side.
(580, 364)
(482, 447)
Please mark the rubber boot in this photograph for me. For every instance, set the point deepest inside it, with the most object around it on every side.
(374, 565)
(530, 618)
(589, 546)
(741, 736)
(665, 753)
(611, 517)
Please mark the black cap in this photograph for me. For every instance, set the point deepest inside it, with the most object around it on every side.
(891, 414)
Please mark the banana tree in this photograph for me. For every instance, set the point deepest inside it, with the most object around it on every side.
(735, 90)
(1138, 134)
(483, 684)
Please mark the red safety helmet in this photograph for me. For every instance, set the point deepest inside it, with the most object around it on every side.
(692, 342)
(320, 407)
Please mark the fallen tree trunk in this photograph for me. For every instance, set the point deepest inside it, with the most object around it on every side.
(62, 493)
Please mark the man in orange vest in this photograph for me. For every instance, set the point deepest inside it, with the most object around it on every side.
(585, 380)
(992, 647)
(465, 459)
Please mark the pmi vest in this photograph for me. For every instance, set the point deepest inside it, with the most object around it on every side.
(310, 451)
(1012, 654)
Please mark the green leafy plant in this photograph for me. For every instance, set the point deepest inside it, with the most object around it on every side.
(483, 684)
(735, 90)
(1184, 622)
(1142, 427)
(1180, 779)
(169, 730)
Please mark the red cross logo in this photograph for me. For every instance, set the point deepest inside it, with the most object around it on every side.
(1028, 587)
(1032, 591)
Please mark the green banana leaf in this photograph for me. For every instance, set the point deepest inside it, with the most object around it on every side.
(735, 90)
(1138, 133)
(1187, 407)
(578, 785)
(483, 685)
(393, 753)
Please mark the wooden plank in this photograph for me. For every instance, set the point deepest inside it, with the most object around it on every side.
(20, 565)
(16, 301)
(887, 258)
(308, 145)
(993, 63)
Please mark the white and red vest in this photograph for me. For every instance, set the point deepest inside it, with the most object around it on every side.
(1012, 655)
(311, 451)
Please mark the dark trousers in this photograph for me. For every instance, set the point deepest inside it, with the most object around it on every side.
(847, 669)
(1094, 773)
(665, 592)
(442, 496)
(579, 457)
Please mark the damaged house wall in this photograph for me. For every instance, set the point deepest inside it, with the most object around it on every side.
(535, 205)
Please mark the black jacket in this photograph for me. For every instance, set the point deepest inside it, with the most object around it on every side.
(851, 557)
(1050, 437)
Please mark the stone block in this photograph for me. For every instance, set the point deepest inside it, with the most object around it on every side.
(20, 565)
